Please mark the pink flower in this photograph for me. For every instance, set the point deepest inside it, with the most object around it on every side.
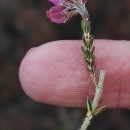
(54, 14)
(63, 10)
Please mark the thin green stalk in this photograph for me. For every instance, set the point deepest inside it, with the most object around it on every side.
(89, 58)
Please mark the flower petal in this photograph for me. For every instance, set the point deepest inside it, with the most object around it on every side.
(55, 2)
(55, 15)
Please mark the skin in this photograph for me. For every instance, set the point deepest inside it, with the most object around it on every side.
(55, 73)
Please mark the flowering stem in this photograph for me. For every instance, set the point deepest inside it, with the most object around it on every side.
(61, 12)
(89, 58)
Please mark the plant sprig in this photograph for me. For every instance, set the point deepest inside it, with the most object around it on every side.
(62, 11)
(88, 50)
(89, 58)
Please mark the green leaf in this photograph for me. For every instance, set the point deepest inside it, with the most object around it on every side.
(90, 42)
(92, 65)
(87, 54)
(87, 62)
(89, 105)
(83, 26)
(93, 48)
(84, 51)
(86, 43)
(88, 28)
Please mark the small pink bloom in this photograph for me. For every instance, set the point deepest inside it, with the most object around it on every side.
(55, 15)
(63, 10)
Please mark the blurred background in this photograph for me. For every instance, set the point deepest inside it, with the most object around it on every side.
(23, 25)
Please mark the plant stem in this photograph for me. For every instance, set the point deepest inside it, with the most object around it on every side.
(86, 123)
(99, 90)
(89, 58)
(96, 99)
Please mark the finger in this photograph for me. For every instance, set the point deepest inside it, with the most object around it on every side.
(56, 73)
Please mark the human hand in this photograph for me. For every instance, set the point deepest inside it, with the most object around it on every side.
(55, 73)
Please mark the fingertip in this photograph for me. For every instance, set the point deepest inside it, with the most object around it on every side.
(26, 75)
(55, 73)
(52, 73)
(33, 73)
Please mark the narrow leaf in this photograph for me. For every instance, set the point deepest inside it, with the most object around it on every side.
(93, 48)
(89, 105)
(90, 42)
(99, 110)
(83, 26)
(87, 62)
(86, 43)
